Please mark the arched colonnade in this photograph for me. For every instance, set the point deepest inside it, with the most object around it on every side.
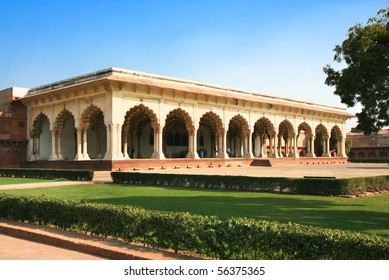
(141, 134)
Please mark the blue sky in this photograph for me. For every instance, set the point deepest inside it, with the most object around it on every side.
(272, 47)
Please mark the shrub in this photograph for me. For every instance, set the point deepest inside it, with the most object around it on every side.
(369, 160)
(69, 174)
(309, 186)
(235, 238)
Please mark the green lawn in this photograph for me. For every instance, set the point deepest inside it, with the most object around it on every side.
(369, 214)
(10, 180)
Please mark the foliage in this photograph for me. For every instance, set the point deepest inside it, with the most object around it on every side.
(235, 238)
(369, 160)
(365, 80)
(319, 149)
(69, 174)
(349, 144)
(310, 186)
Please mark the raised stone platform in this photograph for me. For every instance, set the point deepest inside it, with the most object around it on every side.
(134, 164)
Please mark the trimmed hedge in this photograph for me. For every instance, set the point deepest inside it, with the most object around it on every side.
(50, 174)
(235, 238)
(369, 160)
(310, 186)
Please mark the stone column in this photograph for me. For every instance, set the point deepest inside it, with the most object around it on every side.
(295, 148)
(288, 151)
(194, 148)
(326, 147)
(220, 147)
(161, 155)
(158, 149)
(276, 144)
(257, 146)
(191, 146)
(119, 142)
(244, 150)
(309, 146)
(79, 155)
(155, 143)
(85, 144)
(108, 153)
(138, 137)
(312, 143)
(249, 143)
(99, 140)
(273, 146)
(53, 155)
(281, 155)
(38, 147)
(125, 144)
(225, 145)
(115, 142)
(240, 148)
(263, 146)
(132, 153)
(342, 148)
(59, 144)
(31, 149)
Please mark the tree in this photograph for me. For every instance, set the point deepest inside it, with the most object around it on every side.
(365, 79)
(349, 144)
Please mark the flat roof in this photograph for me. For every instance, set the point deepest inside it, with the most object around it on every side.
(135, 77)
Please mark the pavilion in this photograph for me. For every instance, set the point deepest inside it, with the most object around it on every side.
(120, 116)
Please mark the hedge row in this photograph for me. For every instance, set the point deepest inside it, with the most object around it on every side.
(369, 160)
(50, 174)
(311, 186)
(235, 238)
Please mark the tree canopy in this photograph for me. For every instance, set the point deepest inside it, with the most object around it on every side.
(365, 79)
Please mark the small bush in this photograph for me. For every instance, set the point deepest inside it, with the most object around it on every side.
(309, 186)
(369, 160)
(235, 238)
(50, 174)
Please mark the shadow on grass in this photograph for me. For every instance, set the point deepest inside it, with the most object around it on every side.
(322, 213)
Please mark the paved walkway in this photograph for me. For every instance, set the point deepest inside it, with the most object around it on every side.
(54, 240)
(13, 248)
(43, 185)
(347, 170)
(17, 240)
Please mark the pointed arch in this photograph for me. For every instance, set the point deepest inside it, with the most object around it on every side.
(88, 115)
(263, 133)
(237, 136)
(179, 124)
(285, 129)
(61, 119)
(321, 141)
(42, 139)
(304, 126)
(264, 127)
(209, 135)
(305, 140)
(322, 129)
(336, 140)
(138, 115)
(286, 135)
(37, 124)
(66, 135)
(138, 130)
(180, 115)
(94, 132)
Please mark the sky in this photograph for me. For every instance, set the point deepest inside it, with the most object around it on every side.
(271, 47)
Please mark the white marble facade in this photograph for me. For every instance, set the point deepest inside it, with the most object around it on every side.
(116, 114)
